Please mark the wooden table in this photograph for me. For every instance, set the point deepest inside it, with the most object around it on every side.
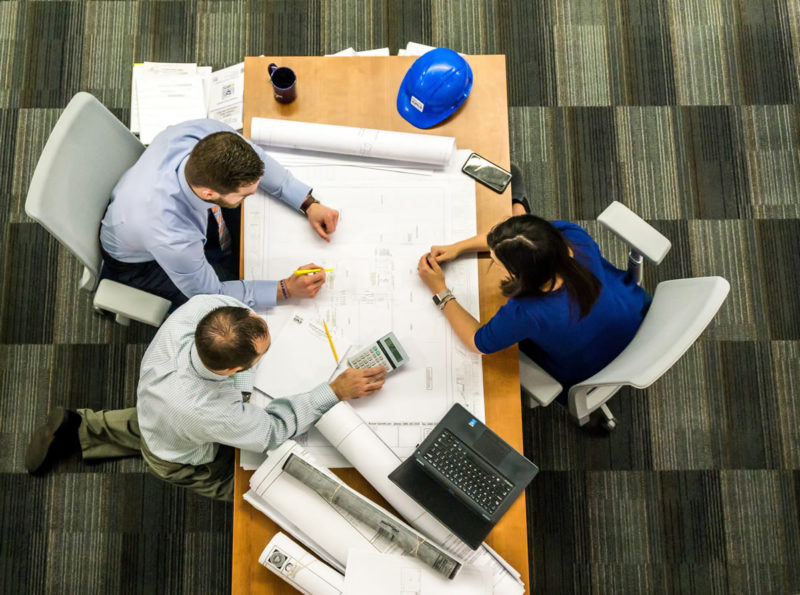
(363, 92)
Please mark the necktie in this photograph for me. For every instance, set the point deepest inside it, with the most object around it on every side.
(224, 234)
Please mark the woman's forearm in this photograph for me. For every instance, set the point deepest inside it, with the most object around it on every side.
(463, 324)
(476, 243)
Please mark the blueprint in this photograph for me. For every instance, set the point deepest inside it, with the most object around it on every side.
(350, 140)
(388, 219)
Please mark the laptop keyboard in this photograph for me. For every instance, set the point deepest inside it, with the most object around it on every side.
(485, 487)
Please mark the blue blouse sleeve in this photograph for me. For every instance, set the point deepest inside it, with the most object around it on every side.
(510, 325)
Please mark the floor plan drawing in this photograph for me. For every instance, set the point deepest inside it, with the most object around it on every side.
(388, 220)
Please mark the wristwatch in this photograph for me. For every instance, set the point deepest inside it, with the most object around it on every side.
(310, 200)
(441, 298)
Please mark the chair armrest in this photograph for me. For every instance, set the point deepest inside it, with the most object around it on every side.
(635, 231)
(542, 387)
(132, 303)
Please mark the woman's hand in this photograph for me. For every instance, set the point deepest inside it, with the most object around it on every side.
(445, 253)
(431, 273)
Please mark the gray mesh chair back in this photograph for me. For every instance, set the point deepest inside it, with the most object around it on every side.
(680, 312)
(86, 154)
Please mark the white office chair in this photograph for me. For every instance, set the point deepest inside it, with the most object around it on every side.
(86, 154)
(680, 311)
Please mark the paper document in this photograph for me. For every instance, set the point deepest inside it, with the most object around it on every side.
(369, 572)
(299, 568)
(165, 93)
(154, 69)
(167, 100)
(388, 220)
(302, 339)
(349, 140)
(417, 49)
(351, 52)
(226, 95)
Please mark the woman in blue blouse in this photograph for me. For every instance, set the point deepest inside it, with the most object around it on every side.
(570, 310)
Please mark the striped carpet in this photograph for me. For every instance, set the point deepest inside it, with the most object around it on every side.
(685, 110)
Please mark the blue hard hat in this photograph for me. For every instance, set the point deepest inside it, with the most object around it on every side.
(435, 86)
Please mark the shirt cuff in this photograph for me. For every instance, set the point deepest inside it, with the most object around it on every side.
(255, 294)
(295, 192)
(322, 398)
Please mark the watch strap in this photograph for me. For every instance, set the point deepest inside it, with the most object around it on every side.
(439, 298)
(446, 299)
(310, 200)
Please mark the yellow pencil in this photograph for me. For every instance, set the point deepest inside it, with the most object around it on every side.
(330, 340)
(309, 271)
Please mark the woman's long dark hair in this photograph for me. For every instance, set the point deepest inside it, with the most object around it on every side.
(534, 253)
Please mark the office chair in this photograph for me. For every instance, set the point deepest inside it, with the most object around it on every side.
(681, 310)
(86, 154)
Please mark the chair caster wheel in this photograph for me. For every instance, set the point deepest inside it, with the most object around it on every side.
(609, 424)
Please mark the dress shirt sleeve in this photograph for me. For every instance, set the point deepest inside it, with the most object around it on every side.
(505, 328)
(279, 182)
(186, 265)
(250, 427)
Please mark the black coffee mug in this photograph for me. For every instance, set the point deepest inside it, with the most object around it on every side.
(284, 83)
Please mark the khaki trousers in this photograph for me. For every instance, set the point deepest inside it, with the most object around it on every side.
(110, 434)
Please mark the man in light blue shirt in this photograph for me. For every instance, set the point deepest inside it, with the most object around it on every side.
(191, 410)
(159, 233)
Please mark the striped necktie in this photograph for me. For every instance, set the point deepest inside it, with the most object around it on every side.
(224, 234)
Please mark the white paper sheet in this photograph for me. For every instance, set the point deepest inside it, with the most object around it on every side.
(350, 52)
(301, 339)
(226, 95)
(349, 140)
(417, 49)
(168, 100)
(369, 572)
(301, 569)
(375, 52)
(346, 52)
(157, 69)
(387, 221)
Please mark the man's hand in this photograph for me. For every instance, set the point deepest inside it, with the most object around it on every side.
(306, 285)
(323, 219)
(353, 383)
(445, 253)
(431, 273)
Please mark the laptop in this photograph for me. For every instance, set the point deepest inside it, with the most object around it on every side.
(465, 475)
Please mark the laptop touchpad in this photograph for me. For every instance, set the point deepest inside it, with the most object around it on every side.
(492, 448)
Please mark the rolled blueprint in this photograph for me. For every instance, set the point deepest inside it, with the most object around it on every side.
(335, 492)
(301, 569)
(349, 140)
(349, 434)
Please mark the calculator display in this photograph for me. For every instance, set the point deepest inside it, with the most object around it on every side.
(393, 349)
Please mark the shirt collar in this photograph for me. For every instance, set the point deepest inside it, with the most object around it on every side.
(194, 201)
(200, 368)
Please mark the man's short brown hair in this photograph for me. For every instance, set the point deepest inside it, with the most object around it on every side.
(226, 338)
(224, 162)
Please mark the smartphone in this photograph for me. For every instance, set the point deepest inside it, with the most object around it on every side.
(487, 173)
